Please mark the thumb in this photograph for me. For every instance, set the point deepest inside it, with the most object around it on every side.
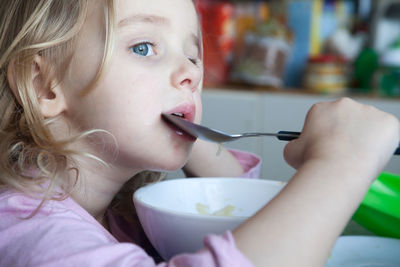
(293, 153)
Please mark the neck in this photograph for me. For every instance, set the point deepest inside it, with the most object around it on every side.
(97, 186)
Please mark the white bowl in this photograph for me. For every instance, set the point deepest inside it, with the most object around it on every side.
(170, 215)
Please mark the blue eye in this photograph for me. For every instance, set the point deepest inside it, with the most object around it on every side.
(143, 49)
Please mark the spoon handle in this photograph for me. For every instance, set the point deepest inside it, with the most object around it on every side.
(287, 135)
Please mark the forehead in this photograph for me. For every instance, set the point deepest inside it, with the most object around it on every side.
(177, 13)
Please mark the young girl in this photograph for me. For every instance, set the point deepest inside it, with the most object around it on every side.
(83, 84)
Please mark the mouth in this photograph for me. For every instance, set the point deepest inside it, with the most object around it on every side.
(183, 114)
(180, 115)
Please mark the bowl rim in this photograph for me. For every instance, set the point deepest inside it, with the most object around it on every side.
(200, 216)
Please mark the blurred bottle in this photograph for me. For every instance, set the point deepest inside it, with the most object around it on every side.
(386, 79)
(299, 20)
(217, 20)
(364, 68)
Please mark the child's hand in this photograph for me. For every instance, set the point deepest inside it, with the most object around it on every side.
(346, 132)
(342, 148)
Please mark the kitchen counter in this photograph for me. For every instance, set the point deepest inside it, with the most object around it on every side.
(297, 91)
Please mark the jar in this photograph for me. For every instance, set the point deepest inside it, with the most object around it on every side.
(326, 74)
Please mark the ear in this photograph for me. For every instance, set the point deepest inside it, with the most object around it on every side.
(50, 95)
(48, 91)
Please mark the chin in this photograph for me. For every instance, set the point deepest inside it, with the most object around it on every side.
(174, 166)
(172, 163)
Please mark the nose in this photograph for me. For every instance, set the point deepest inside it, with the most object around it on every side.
(186, 75)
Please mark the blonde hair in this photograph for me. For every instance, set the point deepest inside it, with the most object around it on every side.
(30, 157)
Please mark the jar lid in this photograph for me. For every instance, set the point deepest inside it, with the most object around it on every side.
(327, 58)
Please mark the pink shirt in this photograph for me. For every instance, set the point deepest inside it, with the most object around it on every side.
(62, 233)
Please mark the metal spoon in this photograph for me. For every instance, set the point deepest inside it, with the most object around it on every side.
(212, 135)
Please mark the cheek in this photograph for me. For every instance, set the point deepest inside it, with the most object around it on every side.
(137, 90)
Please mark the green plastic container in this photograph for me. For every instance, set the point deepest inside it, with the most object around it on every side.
(379, 211)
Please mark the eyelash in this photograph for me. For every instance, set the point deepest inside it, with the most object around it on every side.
(195, 61)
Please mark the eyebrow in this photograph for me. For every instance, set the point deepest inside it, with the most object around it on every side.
(154, 19)
(143, 18)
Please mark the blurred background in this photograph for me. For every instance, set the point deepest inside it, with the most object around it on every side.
(326, 46)
(267, 62)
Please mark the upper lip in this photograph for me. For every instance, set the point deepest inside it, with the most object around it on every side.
(188, 111)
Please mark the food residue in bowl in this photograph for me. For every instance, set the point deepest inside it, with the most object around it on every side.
(205, 210)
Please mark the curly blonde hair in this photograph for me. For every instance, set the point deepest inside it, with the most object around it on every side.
(31, 159)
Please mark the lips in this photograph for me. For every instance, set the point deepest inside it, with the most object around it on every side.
(186, 112)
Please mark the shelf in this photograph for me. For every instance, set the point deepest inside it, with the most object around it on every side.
(295, 91)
